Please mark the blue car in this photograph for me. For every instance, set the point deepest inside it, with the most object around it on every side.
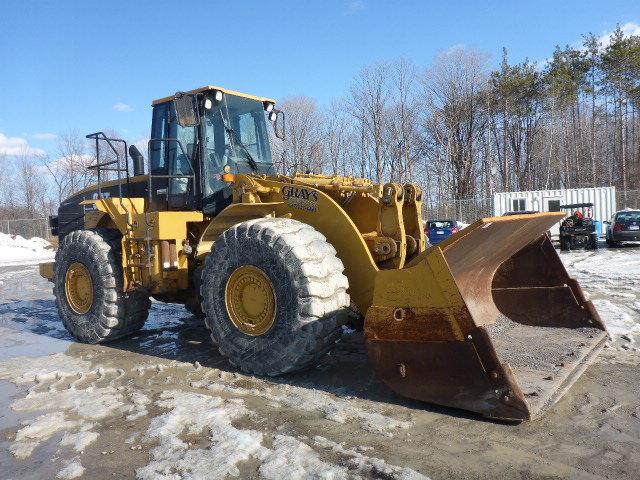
(439, 230)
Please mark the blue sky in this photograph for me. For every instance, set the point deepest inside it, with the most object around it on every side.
(93, 65)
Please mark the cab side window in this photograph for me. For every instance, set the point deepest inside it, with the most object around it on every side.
(159, 130)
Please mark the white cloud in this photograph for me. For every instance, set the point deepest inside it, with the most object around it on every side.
(16, 146)
(45, 136)
(355, 6)
(122, 107)
(629, 28)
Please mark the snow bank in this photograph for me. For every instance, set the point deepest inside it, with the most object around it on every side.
(17, 250)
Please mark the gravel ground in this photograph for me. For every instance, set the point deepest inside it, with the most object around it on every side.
(165, 405)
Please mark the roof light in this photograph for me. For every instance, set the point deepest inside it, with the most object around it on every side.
(273, 116)
(208, 104)
(218, 95)
(268, 106)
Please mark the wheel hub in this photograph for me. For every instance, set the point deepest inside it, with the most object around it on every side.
(79, 288)
(251, 300)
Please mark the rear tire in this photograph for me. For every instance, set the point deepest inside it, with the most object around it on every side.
(108, 313)
(564, 244)
(308, 290)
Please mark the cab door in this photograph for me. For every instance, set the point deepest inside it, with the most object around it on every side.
(173, 154)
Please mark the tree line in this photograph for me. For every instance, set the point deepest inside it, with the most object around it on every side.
(464, 131)
(458, 127)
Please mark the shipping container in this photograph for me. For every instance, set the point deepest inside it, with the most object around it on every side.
(603, 199)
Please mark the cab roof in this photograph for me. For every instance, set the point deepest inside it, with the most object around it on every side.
(208, 88)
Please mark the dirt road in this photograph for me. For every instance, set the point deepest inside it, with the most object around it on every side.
(165, 405)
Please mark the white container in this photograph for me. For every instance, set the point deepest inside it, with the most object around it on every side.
(603, 199)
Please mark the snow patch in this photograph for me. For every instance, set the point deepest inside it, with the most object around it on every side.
(38, 430)
(611, 279)
(92, 403)
(618, 319)
(17, 250)
(73, 470)
(336, 409)
(370, 466)
(294, 460)
(139, 408)
(81, 439)
(38, 369)
(191, 413)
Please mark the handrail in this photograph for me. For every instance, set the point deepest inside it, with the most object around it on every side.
(98, 136)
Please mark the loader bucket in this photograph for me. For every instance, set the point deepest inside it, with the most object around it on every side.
(487, 321)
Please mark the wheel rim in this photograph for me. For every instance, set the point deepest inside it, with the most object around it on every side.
(251, 300)
(79, 288)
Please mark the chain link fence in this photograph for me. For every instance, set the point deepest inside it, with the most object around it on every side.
(467, 211)
(26, 227)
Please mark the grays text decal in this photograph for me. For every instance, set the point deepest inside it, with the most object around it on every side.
(301, 198)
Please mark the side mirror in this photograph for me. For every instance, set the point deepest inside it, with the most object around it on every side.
(138, 160)
(278, 124)
(186, 111)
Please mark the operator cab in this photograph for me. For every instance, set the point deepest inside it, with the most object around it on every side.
(198, 136)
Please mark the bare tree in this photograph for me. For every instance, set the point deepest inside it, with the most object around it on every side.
(369, 96)
(303, 147)
(33, 192)
(453, 93)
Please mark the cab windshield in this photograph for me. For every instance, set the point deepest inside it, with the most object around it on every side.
(235, 134)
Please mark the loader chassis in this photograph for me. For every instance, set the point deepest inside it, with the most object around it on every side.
(277, 264)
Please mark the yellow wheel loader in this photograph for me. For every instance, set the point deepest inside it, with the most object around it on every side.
(487, 321)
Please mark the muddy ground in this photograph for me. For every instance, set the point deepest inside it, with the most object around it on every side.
(165, 404)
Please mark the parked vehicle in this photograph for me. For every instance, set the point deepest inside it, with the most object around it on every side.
(578, 230)
(439, 230)
(624, 227)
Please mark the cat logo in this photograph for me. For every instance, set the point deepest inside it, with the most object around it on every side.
(95, 196)
(301, 198)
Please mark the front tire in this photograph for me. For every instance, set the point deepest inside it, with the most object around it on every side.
(274, 294)
(88, 286)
